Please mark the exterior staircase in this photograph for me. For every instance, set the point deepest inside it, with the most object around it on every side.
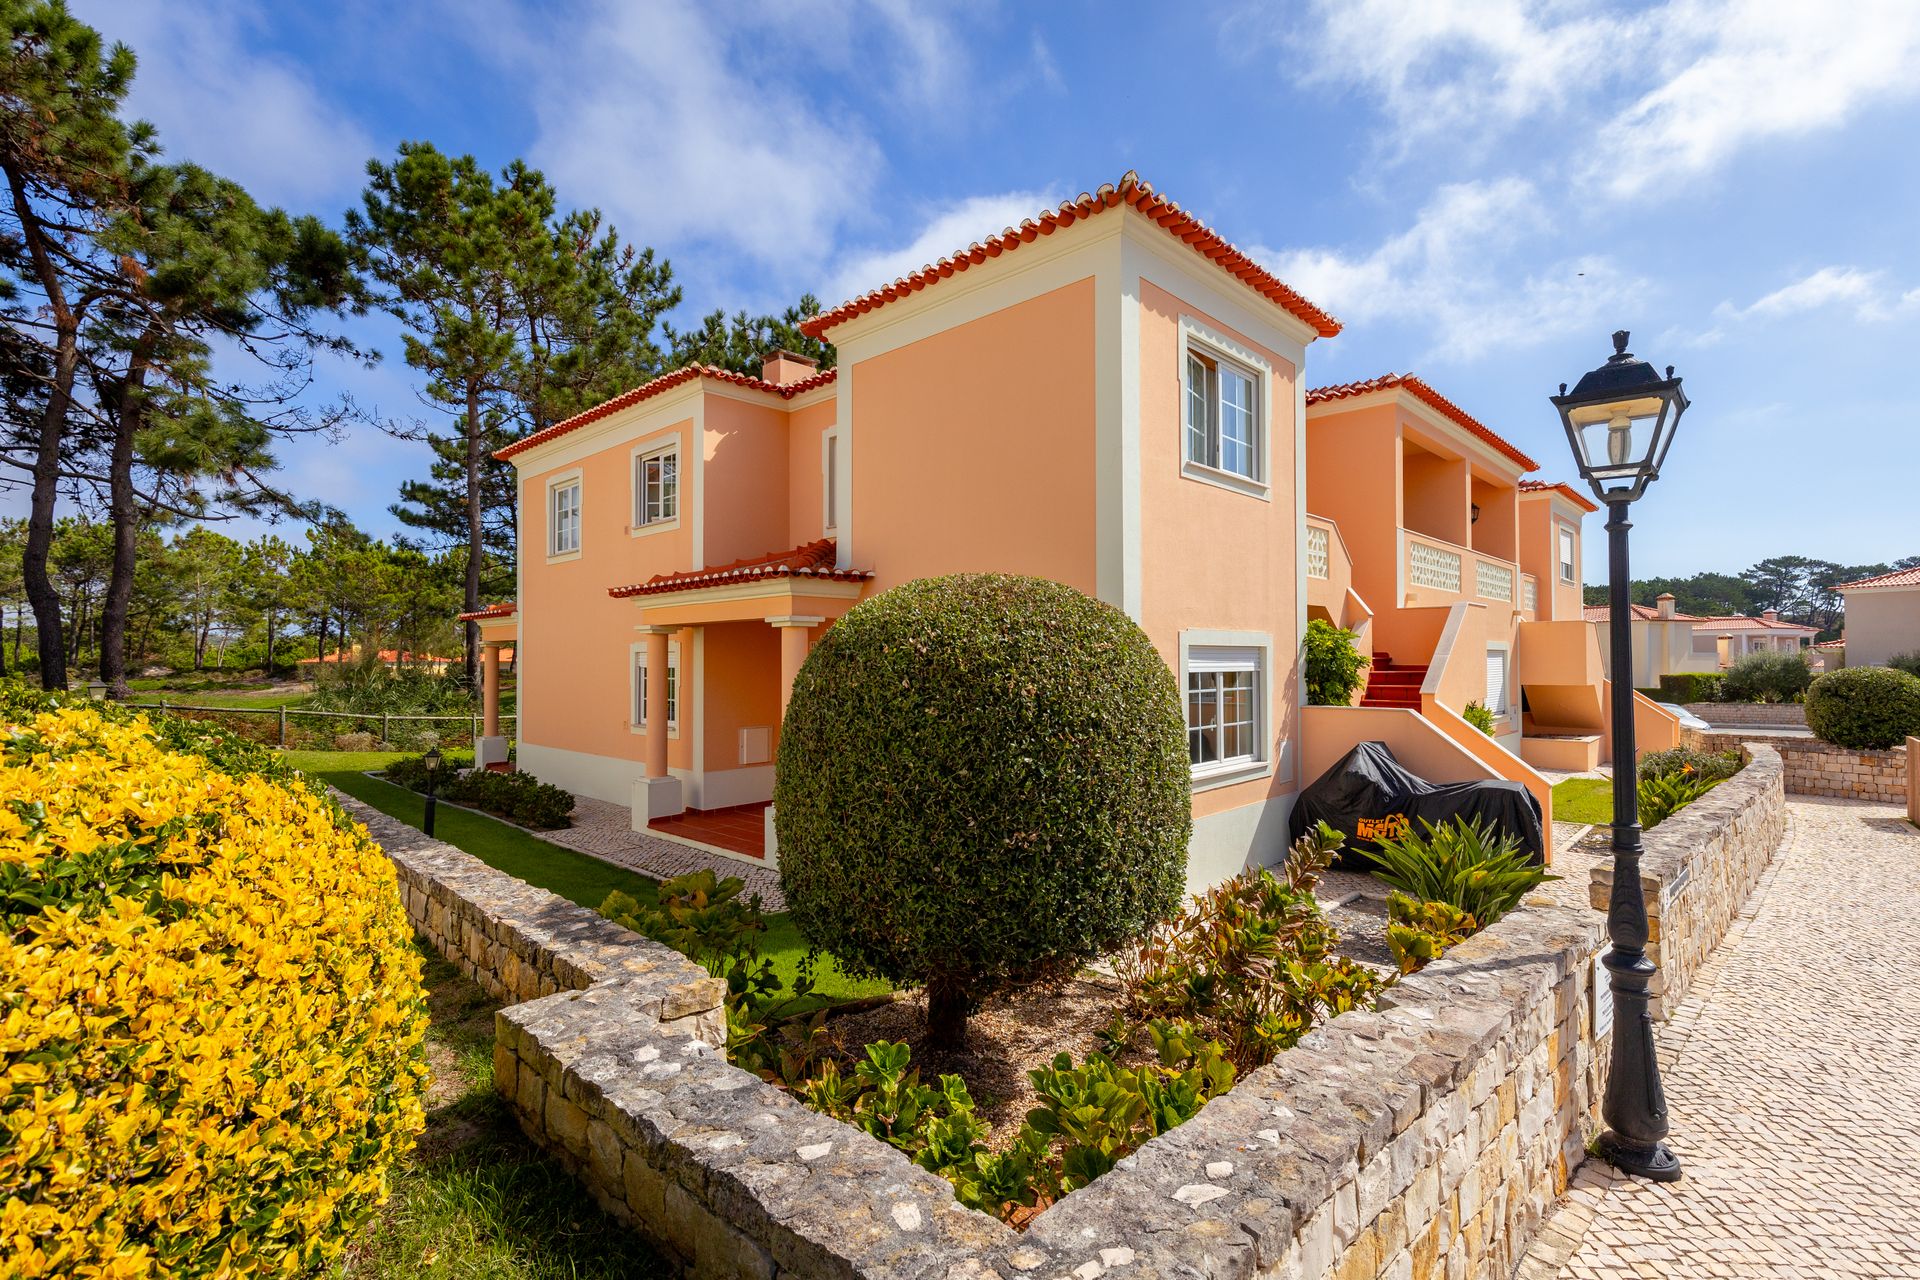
(1389, 685)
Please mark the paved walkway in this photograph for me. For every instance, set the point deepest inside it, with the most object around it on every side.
(605, 831)
(1792, 1071)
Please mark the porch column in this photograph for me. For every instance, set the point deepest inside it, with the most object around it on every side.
(492, 747)
(656, 794)
(793, 630)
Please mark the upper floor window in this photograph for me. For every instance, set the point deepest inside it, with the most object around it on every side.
(1566, 554)
(830, 481)
(1223, 413)
(1223, 707)
(656, 487)
(563, 518)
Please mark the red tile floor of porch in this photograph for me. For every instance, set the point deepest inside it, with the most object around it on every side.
(740, 828)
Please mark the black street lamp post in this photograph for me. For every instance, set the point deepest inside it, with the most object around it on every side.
(432, 761)
(1620, 420)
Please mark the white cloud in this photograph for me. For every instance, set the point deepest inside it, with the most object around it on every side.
(222, 103)
(1445, 274)
(944, 233)
(1650, 97)
(1864, 293)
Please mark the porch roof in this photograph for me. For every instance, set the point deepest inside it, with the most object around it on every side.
(810, 560)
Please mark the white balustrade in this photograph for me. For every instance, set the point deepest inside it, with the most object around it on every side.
(1431, 566)
(1319, 552)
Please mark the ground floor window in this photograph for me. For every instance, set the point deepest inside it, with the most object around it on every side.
(640, 687)
(1223, 707)
(1496, 681)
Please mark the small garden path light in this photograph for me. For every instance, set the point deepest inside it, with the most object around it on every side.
(1620, 420)
(432, 761)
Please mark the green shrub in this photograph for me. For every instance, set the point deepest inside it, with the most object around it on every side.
(983, 779)
(1665, 795)
(1691, 686)
(517, 797)
(1479, 717)
(1334, 665)
(1907, 662)
(1419, 932)
(1767, 677)
(1250, 962)
(1864, 707)
(1464, 863)
(1714, 766)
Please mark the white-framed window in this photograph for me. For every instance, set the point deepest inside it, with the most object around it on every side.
(563, 516)
(639, 702)
(1225, 701)
(1568, 569)
(656, 486)
(1223, 419)
(1496, 700)
(830, 481)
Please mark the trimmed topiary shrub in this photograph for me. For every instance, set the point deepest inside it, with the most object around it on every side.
(212, 1006)
(1691, 686)
(1334, 667)
(1767, 677)
(515, 796)
(983, 780)
(1865, 708)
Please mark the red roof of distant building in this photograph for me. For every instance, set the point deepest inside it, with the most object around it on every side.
(1420, 390)
(1738, 622)
(386, 655)
(1641, 613)
(1131, 192)
(1831, 644)
(1560, 487)
(809, 560)
(502, 610)
(665, 382)
(1898, 578)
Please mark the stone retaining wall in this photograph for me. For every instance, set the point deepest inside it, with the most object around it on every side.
(1698, 867)
(1425, 1138)
(1816, 768)
(1775, 715)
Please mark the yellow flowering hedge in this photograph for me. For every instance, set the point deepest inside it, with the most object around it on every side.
(211, 1018)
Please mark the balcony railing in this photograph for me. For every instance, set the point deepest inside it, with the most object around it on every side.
(1530, 594)
(1319, 552)
(1434, 565)
(1493, 580)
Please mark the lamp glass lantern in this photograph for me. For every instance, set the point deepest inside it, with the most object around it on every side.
(432, 760)
(1620, 420)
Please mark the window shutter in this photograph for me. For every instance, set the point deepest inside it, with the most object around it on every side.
(1497, 681)
(1223, 659)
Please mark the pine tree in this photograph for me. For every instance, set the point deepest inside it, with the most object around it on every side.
(739, 344)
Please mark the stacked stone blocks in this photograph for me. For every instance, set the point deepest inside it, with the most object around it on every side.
(1816, 768)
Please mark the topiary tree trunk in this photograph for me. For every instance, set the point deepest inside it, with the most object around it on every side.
(948, 1005)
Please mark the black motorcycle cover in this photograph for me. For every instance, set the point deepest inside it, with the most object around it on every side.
(1369, 794)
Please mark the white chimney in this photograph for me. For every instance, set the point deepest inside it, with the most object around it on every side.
(1664, 603)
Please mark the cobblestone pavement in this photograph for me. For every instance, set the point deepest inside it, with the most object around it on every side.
(605, 831)
(1792, 1072)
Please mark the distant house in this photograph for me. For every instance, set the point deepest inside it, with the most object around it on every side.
(1732, 638)
(1668, 642)
(1883, 617)
(394, 658)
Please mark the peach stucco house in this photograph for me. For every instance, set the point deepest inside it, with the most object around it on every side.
(1110, 396)
(1883, 617)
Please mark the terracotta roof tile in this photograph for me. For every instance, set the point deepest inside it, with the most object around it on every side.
(1560, 487)
(502, 610)
(1420, 390)
(1739, 622)
(1132, 193)
(1898, 578)
(665, 382)
(809, 560)
(1641, 613)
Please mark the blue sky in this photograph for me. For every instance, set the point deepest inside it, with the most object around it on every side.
(1481, 189)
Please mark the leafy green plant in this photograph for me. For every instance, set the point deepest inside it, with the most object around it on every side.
(1715, 766)
(517, 797)
(1691, 686)
(1334, 664)
(1767, 677)
(1907, 662)
(983, 780)
(1479, 717)
(1663, 796)
(1250, 961)
(1418, 932)
(1864, 708)
(1465, 863)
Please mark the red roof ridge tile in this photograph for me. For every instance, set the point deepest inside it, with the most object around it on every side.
(1423, 391)
(655, 386)
(1561, 487)
(1898, 578)
(809, 560)
(1131, 192)
(502, 610)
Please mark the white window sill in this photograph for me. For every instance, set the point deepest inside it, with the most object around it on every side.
(658, 526)
(640, 731)
(1206, 777)
(555, 557)
(1226, 480)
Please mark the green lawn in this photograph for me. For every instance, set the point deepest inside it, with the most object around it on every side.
(573, 876)
(1583, 800)
(475, 1198)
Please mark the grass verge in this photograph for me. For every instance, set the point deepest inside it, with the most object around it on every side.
(1584, 800)
(476, 1198)
(574, 876)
